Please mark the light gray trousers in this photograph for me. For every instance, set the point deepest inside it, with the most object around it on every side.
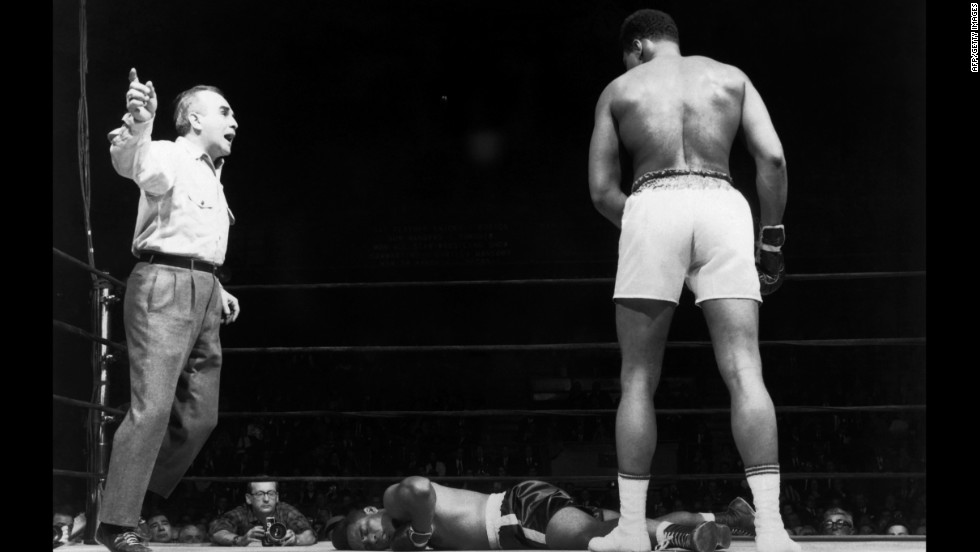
(172, 317)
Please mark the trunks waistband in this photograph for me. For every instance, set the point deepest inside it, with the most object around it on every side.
(493, 519)
(655, 179)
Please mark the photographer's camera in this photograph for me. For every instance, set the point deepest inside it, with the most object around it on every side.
(275, 532)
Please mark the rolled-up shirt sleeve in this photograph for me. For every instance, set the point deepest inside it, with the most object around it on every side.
(232, 520)
(136, 157)
(294, 519)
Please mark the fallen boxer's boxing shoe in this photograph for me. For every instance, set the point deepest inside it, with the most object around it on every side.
(739, 516)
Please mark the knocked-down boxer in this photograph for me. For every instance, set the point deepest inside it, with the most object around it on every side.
(530, 515)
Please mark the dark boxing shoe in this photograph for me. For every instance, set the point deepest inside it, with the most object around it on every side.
(701, 538)
(126, 541)
(724, 536)
(143, 530)
(740, 517)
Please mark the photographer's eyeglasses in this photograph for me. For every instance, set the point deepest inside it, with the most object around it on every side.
(837, 524)
(270, 494)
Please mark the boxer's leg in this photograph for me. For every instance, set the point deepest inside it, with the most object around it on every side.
(734, 328)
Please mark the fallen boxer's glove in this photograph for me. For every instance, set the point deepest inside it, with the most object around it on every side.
(769, 258)
(419, 540)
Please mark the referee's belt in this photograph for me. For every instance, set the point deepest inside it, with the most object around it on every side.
(153, 257)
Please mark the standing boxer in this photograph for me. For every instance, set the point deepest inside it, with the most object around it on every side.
(677, 117)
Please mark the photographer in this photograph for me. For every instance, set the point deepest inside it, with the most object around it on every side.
(62, 529)
(67, 529)
(263, 519)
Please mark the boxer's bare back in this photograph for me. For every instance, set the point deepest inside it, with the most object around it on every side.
(678, 112)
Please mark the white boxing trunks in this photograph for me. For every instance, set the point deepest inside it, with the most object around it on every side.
(686, 226)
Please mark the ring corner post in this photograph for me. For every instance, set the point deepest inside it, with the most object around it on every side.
(102, 300)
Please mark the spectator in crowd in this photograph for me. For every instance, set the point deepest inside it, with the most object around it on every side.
(793, 523)
(585, 499)
(837, 521)
(221, 505)
(160, 528)
(435, 467)
(859, 505)
(191, 534)
(480, 463)
(307, 501)
(530, 463)
(897, 529)
(809, 512)
(458, 465)
(321, 522)
(251, 448)
(506, 464)
(655, 504)
(890, 513)
(865, 525)
(260, 518)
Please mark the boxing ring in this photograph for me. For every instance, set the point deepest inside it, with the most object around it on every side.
(107, 290)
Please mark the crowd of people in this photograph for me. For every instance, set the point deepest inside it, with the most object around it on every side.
(198, 512)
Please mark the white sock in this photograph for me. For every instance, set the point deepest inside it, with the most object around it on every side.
(633, 503)
(764, 482)
(707, 517)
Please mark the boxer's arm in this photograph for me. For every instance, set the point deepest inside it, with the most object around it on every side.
(766, 149)
(224, 537)
(305, 538)
(414, 500)
(604, 173)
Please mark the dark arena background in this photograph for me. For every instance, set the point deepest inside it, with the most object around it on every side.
(421, 270)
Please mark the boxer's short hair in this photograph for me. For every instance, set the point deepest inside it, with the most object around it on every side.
(652, 24)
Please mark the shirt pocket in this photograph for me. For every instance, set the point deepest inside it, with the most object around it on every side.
(202, 198)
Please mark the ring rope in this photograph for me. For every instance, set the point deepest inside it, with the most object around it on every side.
(461, 283)
(528, 347)
(855, 275)
(95, 271)
(458, 283)
(560, 346)
(565, 412)
(848, 538)
(492, 478)
(522, 413)
(88, 405)
(78, 331)
(73, 473)
(575, 478)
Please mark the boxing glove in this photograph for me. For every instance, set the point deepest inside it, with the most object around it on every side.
(769, 258)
